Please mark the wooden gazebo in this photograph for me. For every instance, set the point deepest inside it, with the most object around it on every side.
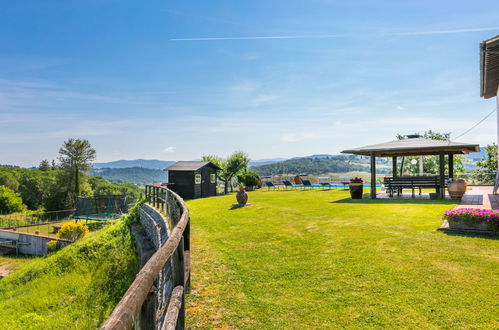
(415, 145)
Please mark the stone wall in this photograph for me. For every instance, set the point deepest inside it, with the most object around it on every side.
(29, 243)
(156, 228)
(155, 225)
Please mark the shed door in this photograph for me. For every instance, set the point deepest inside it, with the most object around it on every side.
(205, 182)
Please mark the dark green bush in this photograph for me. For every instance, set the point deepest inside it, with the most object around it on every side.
(249, 179)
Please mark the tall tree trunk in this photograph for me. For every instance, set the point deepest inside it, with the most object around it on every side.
(77, 182)
(226, 188)
(231, 185)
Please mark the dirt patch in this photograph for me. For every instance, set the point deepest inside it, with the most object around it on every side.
(5, 270)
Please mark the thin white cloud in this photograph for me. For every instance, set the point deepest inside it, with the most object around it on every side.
(411, 33)
(169, 149)
(236, 38)
(495, 28)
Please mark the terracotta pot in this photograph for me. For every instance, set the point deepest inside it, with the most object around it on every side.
(298, 179)
(356, 190)
(457, 189)
(242, 196)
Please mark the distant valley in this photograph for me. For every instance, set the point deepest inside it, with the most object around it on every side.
(149, 171)
(137, 175)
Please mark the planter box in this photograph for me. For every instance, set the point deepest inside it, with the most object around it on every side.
(461, 225)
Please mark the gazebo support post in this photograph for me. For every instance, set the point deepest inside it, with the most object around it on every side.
(442, 175)
(394, 166)
(451, 166)
(373, 176)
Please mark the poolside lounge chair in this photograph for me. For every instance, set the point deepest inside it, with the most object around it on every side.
(287, 184)
(345, 180)
(269, 185)
(307, 183)
(324, 182)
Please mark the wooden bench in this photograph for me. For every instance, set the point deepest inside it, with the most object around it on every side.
(411, 182)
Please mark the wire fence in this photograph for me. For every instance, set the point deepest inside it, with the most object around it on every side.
(48, 223)
(40, 223)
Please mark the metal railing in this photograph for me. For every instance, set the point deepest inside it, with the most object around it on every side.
(166, 273)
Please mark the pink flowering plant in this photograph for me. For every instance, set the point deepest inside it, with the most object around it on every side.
(473, 216)
(356, 180)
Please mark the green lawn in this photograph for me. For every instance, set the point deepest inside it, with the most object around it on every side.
(316, 259)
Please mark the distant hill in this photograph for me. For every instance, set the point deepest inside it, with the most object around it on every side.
(319, 165)
(476, 156)
(145, 163)
(266, 161)
(318, 156)
(136, 175)
(162, 164)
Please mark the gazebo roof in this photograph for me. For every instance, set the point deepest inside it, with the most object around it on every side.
(416, 146)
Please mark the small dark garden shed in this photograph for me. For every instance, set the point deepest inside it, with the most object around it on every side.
(193, 179)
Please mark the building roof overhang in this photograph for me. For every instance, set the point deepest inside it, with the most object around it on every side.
(190, 166)
(489, 67)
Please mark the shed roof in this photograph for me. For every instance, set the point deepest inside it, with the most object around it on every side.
(489, 67)
(190, 166)
(414, 147)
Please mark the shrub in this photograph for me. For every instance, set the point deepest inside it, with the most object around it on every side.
(10, 201)
(72, 231)
(53, 246)
(249, 179)
(473, 216)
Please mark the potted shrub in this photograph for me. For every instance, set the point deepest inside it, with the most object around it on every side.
(356, 188)
(472, 219)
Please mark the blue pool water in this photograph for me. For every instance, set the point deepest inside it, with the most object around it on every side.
(332, 186)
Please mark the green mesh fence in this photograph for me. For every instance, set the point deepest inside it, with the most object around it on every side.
(102, 207)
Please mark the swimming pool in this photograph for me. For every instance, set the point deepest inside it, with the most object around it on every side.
(321, 186)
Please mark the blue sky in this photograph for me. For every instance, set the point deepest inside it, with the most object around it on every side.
(176, 80)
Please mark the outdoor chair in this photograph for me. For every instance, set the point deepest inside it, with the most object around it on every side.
(307, 183)
(288, 184)
(324, 182)
(269, 185)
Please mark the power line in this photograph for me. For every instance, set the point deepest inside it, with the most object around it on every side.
(472, 127)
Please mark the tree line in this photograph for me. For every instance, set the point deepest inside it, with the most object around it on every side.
(56, 185)
(137, 175)
(336, 164)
